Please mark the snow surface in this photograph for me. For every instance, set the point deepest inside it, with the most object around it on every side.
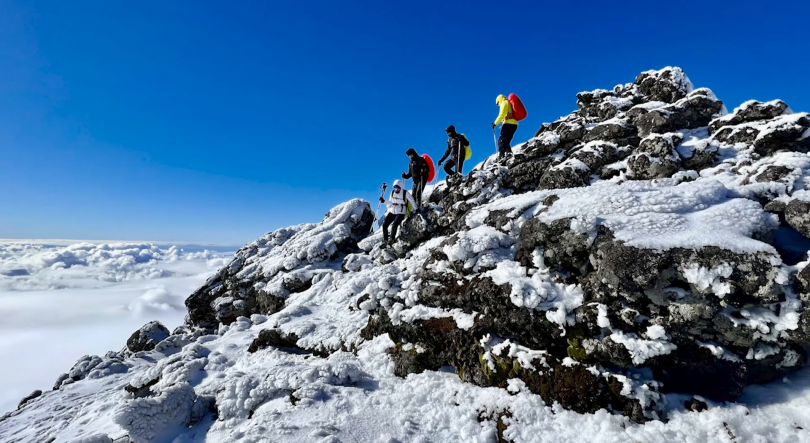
(650, 215)
(61, 302)
(274, 395)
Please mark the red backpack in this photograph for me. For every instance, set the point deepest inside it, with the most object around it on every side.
(518, 110)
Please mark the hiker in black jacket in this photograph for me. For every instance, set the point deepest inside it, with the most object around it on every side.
(418, 170)
(456, 151)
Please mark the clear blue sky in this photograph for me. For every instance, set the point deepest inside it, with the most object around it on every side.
(219, 121)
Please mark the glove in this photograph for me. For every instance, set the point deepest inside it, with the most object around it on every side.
(404, 174)
(493, 125)
(440, 162)
(382, 200)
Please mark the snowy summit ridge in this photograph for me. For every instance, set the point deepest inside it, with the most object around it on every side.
(629, 256)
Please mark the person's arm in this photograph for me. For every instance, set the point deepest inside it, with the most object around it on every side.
(408, 174)
(504, 111)
(384, 201)
(446, 153)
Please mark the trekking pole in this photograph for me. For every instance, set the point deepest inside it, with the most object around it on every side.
(495, 139)
(382, 194)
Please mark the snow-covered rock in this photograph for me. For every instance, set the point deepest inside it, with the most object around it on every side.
(621, 259)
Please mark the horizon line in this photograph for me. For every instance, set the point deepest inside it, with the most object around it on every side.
(67, 242)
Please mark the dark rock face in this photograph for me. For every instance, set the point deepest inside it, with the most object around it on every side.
(146, 338)
(782, 133)
(28, 398)
(272, 337)
(562, 247)
(696, 110)
(598, 154)
(611, 131)
(418, 227)
(656, 157)
(797, 214)
(542, 145)
(772, 174)
(750, 112)
(564, 176)
(233, 292)
(783, 137)
(668, 85)
(526, 175)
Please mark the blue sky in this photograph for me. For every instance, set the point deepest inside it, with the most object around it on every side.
(219, 121)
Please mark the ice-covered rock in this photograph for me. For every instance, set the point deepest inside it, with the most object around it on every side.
(146, 338)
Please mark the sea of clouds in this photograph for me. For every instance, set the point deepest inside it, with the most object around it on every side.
(62, 300)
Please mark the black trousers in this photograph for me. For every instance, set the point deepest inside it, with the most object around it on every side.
(448, 167)
(505, 140)
(418, 186)
(395, 220)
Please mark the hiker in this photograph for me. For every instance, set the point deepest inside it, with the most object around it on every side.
(508, 127)
(456, 150)
(397, 207)
(418, 169)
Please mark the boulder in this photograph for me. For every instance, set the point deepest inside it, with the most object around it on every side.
(597, 154)
(612, 130)
(526, 175)
(28, 398)
(666, 85)
(562, 247)
(696, 110)
(797, 215)
(146, 338)
(570, 174)
(656, 157)
(750, 111)
(542, 145)
(699, 156)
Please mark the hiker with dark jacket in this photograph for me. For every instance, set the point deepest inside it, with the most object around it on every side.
(508, 128)
(396, 208)
(418, 169)
(456, 151)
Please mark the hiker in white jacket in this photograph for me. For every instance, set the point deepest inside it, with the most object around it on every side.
(396, 208)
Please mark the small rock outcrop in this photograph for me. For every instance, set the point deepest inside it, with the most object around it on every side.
(146, 338)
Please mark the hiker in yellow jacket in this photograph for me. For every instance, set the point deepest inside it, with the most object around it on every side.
(508, 128)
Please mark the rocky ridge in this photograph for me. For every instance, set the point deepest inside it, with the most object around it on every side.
(627, 251)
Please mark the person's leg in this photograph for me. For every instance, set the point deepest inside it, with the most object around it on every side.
(448, 167)
(397, 221)
(386, 223)
(507, 133)
(418, 187)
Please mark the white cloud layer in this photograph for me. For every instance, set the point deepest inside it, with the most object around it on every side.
(58, 303)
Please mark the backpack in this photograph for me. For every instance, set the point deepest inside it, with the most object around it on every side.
(467, 151)
(426, 167)
(518, 110)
